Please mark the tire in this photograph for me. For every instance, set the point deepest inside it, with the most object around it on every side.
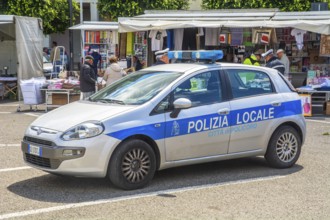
(132, 165)
(284, 148)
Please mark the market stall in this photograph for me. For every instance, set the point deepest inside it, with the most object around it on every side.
(20, 50)
(302, 35)
(99, 39)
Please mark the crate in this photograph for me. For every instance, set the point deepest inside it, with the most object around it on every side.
(327, 108)
(62, 99)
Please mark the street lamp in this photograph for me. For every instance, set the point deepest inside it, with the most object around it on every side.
(71, 34)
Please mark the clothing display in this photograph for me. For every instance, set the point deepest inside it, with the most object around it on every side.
(157, 39)
(299, 36)
(237, 36)
(189, 42)
(169, 39)
(212, 36)
(178, 38)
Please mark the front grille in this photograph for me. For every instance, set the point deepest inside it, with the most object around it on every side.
(42, 162)
(39, 161)
(38, 141)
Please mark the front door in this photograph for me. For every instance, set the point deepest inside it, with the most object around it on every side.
(202, 130)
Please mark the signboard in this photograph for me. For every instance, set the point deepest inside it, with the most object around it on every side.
(325, 45)
(306, 104)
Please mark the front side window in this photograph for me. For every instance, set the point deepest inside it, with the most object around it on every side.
(249, 82)
(202, 89)
(136, 88)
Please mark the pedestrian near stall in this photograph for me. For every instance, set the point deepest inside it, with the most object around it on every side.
(253, 59)
(273, 62)
(87, 78)
(97, 60)
(285, 60)
(161, 57)
(114, 72)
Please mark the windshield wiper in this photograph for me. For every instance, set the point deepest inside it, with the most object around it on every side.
(110, 101)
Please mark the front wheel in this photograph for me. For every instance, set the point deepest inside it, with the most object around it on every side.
(132, 165)
(284, 148)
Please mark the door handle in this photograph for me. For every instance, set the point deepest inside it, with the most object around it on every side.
(224, 111)
(276, 103)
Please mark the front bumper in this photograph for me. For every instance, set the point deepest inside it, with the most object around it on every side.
(85, 158)
(50, 157)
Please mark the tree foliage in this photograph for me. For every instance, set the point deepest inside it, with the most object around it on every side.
(54, 13)
(112, 9)
(283, 5)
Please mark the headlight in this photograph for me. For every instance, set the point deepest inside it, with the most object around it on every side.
(84, 130)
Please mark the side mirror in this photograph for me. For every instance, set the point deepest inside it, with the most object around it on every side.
(181, 103)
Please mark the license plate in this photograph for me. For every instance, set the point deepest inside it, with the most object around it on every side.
(34, 150)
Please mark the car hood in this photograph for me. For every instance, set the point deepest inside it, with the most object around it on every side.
(72, 114)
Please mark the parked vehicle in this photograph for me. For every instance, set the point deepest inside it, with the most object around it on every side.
(167, 116)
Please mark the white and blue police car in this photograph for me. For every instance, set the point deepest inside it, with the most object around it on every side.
(171, 115)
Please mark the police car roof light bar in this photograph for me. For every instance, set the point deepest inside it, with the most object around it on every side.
(207, 55)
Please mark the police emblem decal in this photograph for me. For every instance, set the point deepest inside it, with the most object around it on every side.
(175, 128)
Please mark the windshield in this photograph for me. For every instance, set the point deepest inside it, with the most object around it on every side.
(136, 88)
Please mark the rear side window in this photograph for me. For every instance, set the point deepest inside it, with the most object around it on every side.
(249, 83)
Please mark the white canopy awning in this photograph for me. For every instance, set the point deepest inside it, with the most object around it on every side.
(314, 21)
(96, 26)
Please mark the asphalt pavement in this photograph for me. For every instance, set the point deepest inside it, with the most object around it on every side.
(236, 189)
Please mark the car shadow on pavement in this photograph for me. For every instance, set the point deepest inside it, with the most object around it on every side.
(58, 189)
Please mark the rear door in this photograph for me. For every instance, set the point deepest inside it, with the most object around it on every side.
(253, 105)
(203, 129)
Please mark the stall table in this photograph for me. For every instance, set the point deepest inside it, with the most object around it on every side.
(7, 81)
(60, 97)
(319, 99)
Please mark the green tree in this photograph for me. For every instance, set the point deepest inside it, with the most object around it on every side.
(54, 13)
(112, 9)
(283, 5)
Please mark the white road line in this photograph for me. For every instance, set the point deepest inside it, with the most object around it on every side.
(4, 105)
(5, 112)
(14, 169)
(124, 198)
(31, 114)
(324, 122)
(10, 145)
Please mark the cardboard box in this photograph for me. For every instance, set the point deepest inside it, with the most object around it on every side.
(327, 108)
(62, 99)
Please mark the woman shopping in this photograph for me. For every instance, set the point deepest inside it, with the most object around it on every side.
(113, 72)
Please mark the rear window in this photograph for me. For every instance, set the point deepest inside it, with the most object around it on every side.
(249, 82)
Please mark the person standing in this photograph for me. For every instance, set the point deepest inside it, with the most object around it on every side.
(285, 60)
(87, 78)
(273, 62)
(114, 72)
(161, 57)
(55, 57)
(253, 59)
(97, 60)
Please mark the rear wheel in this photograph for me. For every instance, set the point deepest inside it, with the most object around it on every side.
(284, 147)
(132, 165)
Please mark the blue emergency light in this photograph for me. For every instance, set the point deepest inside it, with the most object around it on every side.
(207, 55)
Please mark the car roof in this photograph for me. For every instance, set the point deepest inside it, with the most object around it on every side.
(178, 67)
(191, 67)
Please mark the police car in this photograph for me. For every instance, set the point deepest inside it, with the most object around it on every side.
(168, 116)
